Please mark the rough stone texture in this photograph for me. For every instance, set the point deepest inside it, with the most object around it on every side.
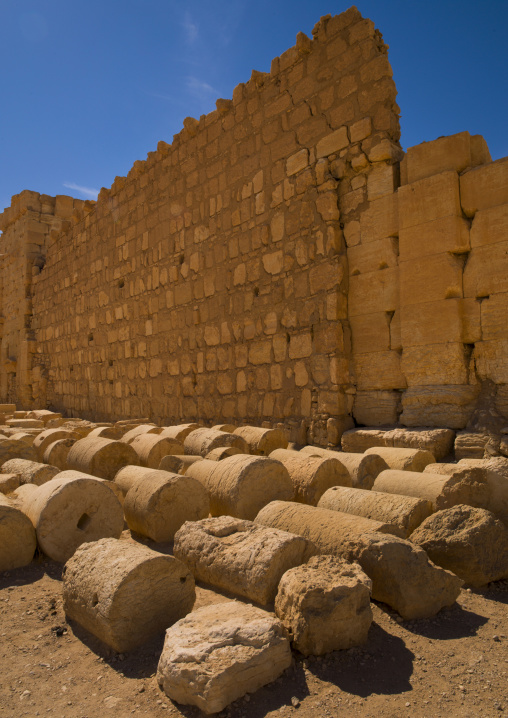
(219, 653)
(442, 491)
(30, 472)
(72, 509)
(177, 464)
(470, 444)
(8, 483)
(160, 503)
(179, 432)
(362, 468)
(12, 449)
(404, 512)
(241, 485)
(401, 573)
(325, 605)
(107, 432)
(125, 593)
(438, 441)
(57, 453)
(17, 536)
(262, 441)
(47, 437)
(357, 441)
(151, 448)
(100, 457)
(24, 436)
(129, 436)
(403, 459)
(471, 542)
(239, 556)
(311, 475)
(222, 452)
(201, 441)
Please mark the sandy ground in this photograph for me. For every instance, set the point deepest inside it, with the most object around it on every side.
(455, 664)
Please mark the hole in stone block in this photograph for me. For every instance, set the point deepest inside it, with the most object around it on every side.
(84, 522)
(256, 291)
(90, 337)
(95, 600)
(121, 284)
(183, 579)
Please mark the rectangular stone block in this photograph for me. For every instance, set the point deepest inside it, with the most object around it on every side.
(372, 256)
(491, 360)
(490, 226)
(485, 186)
(370, 332)
(448, 320)
(486, 270)
(381, 219)
(373, 292)
(447, 234)
(430, 279)
(446, 406)
(379, 370)
(435, 364)
(445, 153)
(493, 316)
(332, 143)
(429, 199)
(382, 180)
(377, 408)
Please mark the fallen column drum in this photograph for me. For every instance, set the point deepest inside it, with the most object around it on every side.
(100, 457)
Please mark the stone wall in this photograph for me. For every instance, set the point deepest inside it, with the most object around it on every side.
(282, 262)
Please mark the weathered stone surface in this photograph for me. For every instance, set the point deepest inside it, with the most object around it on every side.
(377, 408)
(8, 483)
(404, 512)
(17, 536)
(57, 453)
(239, 556)
(139, 430)
(312, 475)
(125, 593)
(438, 441)
(325, 605)
(151, 448)
(30, 472)
(177, 464)
(179, 432)
(469, 541)
(200, 442)
(401, 575)
(219, 653)
(362, 468)
(440, 406)
(470, 444)
(441, 490)
(47, 437)
(262, 441)
(241, 485)
(403, 459)
(222, 452)
(12, 449)
(100, 457)
(72, 509)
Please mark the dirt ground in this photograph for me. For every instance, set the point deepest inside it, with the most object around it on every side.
(455, 664)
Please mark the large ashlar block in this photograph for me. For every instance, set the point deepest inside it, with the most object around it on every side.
(486, 270)
(471, 542)
(403, 459)
(312, 475)
(241, 485)
(372, 256)
(239, 556)
(484, 187)
(377, 408)
(430, 279)
(446, 153)
(262, 441)
(17, 536)
(125, 593)
(404, 512)
(436, 364)
(30, 472)
(379, 371)
(219, 653)
(443, 491)
(374, 292)
(447, 320)
(362, 468)
(100, 457)
(490, 226)
(380, 219)
(446, 406)
(72, 509)
(438, 441)
(429, 199)
(446, 234)
(491, 360)
(201, 441)
(325, 605)
(493, 312)
(402, 576)
(383, 179)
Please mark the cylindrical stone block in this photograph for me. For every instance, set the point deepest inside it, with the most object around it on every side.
(30, 472)
(179, 432)
(125, 593)
(311, 475)
(150, 448)
(131, 434)
(362, 468)
(8, 483)
(262, 441)
(405, 512)
(158, 504)
(442, 491)
(402, 576)
(241, 485)
(229, 428)
(222, 452)
(403, 459)
(25, 437)
(56, 453)
(201, 441)
(178, 464)
(17, 536)
(47, 437)
(70, 510)
(107, 432)
(100, 457)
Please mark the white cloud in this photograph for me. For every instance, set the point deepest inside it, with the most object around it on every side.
(190, 27)
(200, 89)
(89, 192)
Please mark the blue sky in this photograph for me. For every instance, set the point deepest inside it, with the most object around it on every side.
(89, 87)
